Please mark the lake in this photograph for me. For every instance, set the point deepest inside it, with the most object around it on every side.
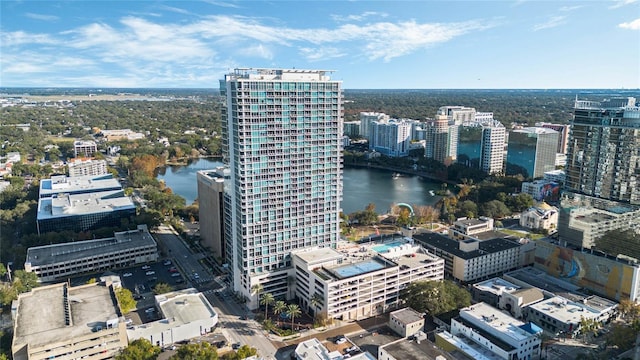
(360, 186)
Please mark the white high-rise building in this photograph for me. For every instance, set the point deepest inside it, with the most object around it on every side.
(391, 138)
(492, 149)
(366, 118)
(460, 115)
(283, 130)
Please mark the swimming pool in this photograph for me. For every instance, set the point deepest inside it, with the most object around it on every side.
(385, 247)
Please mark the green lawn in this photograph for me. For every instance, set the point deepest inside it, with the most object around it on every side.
(519, 233)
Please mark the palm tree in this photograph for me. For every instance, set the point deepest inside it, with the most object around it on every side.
(257, 289)
(293, 310)
(316, 301)
(266, 300)
(279, 307)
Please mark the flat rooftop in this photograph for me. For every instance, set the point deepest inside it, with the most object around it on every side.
(320, 255)
(37, 325)
(452, 246)
(65, 205)
(407, 315)
(496, 286)
(541, 280)
(411, 350)
(178, 308)
(65, 252)
(78, 184)
(469, 347)
(565, 310)
(358, 268)
(484, 315)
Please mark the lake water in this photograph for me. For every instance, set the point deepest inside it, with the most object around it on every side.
(361, 186)
(519, 155)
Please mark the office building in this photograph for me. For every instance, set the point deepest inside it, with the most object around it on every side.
(472, 260)
(541, 142)
(121, 134)
(460, 115)
(352, 129)
(603, 158)
(63, 322)
(484, 332)
(441, 137)
(563, 135)
(283, 130)
(505, 295)
(390, 137)
(182, 315)
(464, 229)
(362, 284)
(366, 118)
(86, 167)
(62, 261)
(492, 149)
(82, 212)
(562, 317)
(59, 184)
(313, 349)
(84, 148)
(211, 209)
(556, 176)
(542, 190)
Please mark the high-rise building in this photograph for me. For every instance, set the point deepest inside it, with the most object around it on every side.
(441, 137)
(366, 118)
(563, 135)
(603, 158)
(211, 209)
(458, 114)
(390, 137)
(283, 130)
(541, 142)
(492, 149)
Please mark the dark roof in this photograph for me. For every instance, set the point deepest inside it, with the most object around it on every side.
(452, 246)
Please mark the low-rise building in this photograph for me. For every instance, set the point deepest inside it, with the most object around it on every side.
(472, 260)
(121, 134)
(542, 190)
(60, 184)
(61, 261)
(184, 315)
(493, 331)
(465, 228)
(63, 322)
(82, 212)
(505, 295)
(420, 349)
(84, 148)
(363, 284)
(313, 349)
(86, 167)
(561, 316)
(557, 176)
(406, 322)
(540, 217)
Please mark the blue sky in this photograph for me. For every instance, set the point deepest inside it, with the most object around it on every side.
(370, 44)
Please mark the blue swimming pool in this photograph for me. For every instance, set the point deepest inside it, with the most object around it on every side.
(385, 247)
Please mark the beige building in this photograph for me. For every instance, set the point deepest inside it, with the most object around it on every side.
(361, 284)
(84, 148)
(63, 322)
(86, 167)
(406, 322)
(540, 217)
(465, 228)
(211, 205)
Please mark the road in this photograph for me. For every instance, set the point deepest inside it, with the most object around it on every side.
(245, 332)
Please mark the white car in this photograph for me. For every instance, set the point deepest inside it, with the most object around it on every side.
(150, 272)
(127, 274)
(146, 267)
(341, 340)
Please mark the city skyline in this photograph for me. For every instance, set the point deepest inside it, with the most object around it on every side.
(370, 44)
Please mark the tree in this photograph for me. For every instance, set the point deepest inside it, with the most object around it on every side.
(139, 349)
(3, 270)
(162, 288)
(588, 327)
(257, 289)
(266, 300)
(293, 310)
(495, 209)
(196, 351)
(125, 300)
(279, 307)
(629, 309)
(24, 281)
(316, 301)
(435, 297)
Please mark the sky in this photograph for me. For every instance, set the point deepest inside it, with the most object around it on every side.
(535, 44)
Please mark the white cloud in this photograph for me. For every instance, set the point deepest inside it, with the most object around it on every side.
(322, 53)
(620, 3)
(552, 22)
(360, 17)
(259, 51)
(222, 4)
(42, 17)
(632, 25)
(570, 8)
(16, 38)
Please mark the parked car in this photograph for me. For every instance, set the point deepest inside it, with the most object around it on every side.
(146, 267)
(236, 346)
(341, 340)
(173, 270)
(150, 272)
(167, 262)
(126, 274)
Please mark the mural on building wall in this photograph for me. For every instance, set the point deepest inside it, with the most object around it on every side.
(604, 276)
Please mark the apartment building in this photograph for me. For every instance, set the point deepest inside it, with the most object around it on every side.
(63, 322)
(283, 133)
(390, 137)
(86, 167)
(84, 148)
(472, 260)
(361, 285)
(61, 261)
(492, 148)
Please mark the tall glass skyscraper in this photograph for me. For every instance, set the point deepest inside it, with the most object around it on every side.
(604, 150)
(283, 129)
